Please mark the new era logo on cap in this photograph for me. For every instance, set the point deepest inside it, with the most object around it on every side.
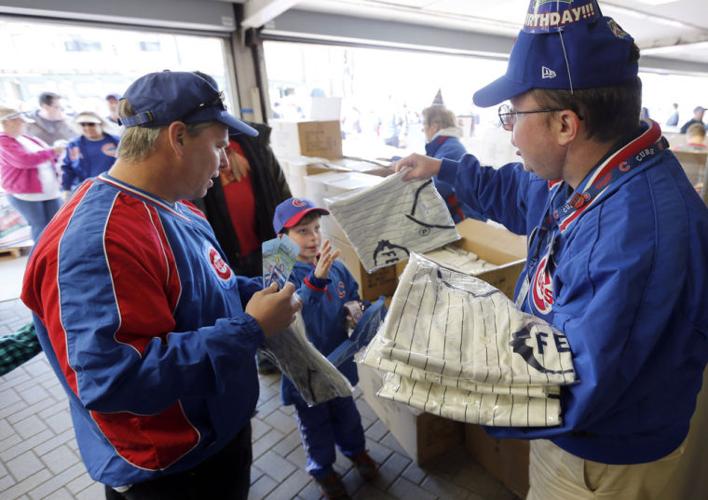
(547, 73)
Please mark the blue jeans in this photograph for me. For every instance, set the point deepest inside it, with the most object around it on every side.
(37, 213)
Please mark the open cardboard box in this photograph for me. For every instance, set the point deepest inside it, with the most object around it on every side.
(494, 244)
(425, 436)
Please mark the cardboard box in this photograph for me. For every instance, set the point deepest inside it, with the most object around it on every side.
(423, 436)
(321, 139)
(296, 168)
(495, 245)
(505, 459)
(373, 285)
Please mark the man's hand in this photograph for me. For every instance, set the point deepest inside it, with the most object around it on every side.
(327, 258)
(274, 310)
(418, 167)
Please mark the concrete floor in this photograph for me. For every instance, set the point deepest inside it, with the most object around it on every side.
(39, 456)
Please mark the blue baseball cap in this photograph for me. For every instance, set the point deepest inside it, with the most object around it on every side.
(564, 46)
(159, 99)
(290, 212)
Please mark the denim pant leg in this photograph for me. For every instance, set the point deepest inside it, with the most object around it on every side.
(37, 213)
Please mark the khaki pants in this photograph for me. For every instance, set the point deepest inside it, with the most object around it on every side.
(555, 474)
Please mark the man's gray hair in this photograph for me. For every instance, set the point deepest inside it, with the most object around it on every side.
(439, 115)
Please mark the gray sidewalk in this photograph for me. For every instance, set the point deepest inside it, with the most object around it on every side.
(39, 457)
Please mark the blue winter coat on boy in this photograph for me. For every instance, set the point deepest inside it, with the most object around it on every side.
(324, 315)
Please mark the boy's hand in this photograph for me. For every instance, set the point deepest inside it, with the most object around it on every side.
(327, 258)
(418, 167)
(274, 310)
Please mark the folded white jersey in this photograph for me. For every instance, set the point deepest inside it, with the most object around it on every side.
(455, 325)
(471, 407)
(315, 378)
(387, 222)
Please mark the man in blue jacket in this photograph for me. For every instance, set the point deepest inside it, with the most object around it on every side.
(90, 154)
(617, 252)
(150, 332)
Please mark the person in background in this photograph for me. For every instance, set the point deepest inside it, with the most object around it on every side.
(617, 253)
(697, 118)
(50, 124)
(673, 119)
(27, 171)
(442, 136)
(695, 138)
(325, 285)
(112, 101)
(90, 154)
(112, 124)
(241, 204)
(151, 333)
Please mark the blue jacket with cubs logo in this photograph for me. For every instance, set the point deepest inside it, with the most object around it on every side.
(86, 158)
(625, 275)
(324, 315)
(143, 323)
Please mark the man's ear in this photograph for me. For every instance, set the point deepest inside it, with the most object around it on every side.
(567, 126)
(176, 133)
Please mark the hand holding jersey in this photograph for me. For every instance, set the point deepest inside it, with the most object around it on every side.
(274, 309)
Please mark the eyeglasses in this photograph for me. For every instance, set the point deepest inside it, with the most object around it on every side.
(88, 124)
(507, 116)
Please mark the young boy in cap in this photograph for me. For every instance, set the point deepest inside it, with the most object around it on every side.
(617, 252)
(150, 332)
(325, 286)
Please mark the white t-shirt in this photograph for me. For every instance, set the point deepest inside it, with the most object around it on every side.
(47, 175)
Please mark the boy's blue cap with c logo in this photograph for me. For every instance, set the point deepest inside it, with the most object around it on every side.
(564, 45)
(290, 212)
(159, 99)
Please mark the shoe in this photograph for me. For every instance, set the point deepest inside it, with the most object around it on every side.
(332, 487)
(366, 466)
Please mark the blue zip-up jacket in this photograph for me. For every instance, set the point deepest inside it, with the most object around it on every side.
(142, 321)
(85, 158)
(450, 147)
(627, 281)
(324, 315)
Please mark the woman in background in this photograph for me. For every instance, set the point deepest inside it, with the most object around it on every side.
(27, 171)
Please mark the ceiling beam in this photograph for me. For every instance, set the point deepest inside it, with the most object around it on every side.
(257, 13)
